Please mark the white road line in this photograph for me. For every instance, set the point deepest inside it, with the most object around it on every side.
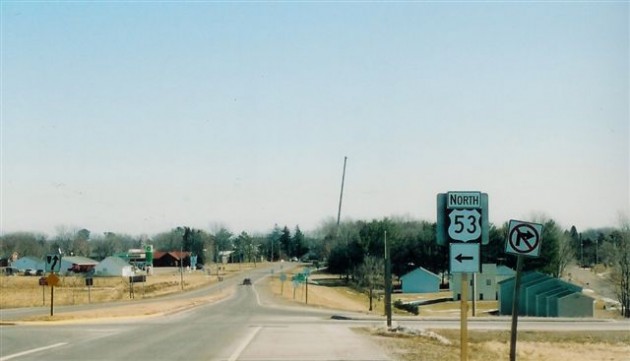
(243, 345)
(39, 349)
(257, 296)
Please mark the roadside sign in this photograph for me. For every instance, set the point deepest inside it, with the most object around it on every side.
(283, 277)
(524, 238)
(53, 263)
(465, 257)
(463, 224)
(52, 279)
(462, 217)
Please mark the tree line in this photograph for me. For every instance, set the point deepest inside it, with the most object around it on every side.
(350, 248)
(279, 243)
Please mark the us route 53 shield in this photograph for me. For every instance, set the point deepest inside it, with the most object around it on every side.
(465, 225)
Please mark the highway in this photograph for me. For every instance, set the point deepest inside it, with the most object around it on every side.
(237, 328)
(246, 326)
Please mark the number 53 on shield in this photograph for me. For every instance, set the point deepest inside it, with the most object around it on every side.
(464, 225)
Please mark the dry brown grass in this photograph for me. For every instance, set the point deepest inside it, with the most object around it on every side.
(495, 345)
(331, 292)
(24, 291)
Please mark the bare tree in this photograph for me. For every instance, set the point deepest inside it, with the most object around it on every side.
(566, 252)
(620, 274)
(369, 275)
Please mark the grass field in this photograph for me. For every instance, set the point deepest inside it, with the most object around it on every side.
(495, 345)
(25, 291)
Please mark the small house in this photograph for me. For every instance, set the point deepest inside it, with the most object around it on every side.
(77, 264)
(113, 266)
(28, 262)
(171, 259)
(486, 283)
(420, 280)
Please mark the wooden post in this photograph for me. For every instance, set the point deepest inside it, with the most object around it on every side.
(464, 318)
(474, 294)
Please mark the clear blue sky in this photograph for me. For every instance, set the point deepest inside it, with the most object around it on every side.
(139, 117)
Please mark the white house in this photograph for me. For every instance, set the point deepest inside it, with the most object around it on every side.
(113, 266)
(486, 287)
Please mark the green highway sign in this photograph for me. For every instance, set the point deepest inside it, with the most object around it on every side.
(462, 217)
(53, 263)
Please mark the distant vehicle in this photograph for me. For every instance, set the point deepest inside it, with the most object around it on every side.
(247, 282)
(30, 272)
(294, 259)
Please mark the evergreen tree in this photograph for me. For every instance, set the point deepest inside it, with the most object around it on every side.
(299, 245)
(285, 241)
(272, 247)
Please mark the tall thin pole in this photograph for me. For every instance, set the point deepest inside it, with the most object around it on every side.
(343, 178)
(388, 284)
(515, 307)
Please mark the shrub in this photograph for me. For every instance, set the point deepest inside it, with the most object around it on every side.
(409, 307)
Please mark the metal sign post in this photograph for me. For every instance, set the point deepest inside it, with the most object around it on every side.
(283, 277)
(515, 305)
(523, 239)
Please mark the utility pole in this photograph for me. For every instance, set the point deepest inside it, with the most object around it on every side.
(343, 178)
(388, 285)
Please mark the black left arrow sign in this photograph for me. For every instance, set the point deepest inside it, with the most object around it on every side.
(460, 257)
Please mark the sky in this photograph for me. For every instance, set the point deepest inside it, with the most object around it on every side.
(138, 117)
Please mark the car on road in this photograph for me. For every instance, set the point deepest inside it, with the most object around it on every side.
(247, 282)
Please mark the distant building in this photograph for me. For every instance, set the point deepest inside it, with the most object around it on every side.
(28, 262)
(487, 285)
(113, 266)
(77, 264)
(171, 259)
(420, 280)
(544, 296)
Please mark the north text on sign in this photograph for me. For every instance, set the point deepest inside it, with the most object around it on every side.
(463, 200)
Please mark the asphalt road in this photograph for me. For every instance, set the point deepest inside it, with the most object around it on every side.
(247, 326)
(238, 328)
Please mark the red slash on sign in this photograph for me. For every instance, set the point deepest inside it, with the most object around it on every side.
(524, 238)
